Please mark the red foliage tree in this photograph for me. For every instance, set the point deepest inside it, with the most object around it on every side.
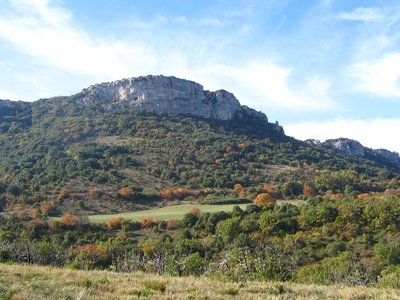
(195, 211)
(146, 222)
(69, 220)
(34, 213)
(171, 224)
(308, 191)
(115, 223)
(92, 192)
(126, 192)
(46, 208)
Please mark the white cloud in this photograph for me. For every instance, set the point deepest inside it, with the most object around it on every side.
(45, 33)
(264, 84)
(365, 14)
(375, 133)
(212, 22)
(5, 64)
(7, 95)
(380, 77)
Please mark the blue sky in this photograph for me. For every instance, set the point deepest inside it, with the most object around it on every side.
(322, 68)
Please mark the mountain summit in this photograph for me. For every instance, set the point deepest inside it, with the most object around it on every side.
(166, 94)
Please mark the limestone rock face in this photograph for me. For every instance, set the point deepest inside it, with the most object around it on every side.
(4, 103)
(347, 146)
(166, 95)
(313, 142)
(393, 156)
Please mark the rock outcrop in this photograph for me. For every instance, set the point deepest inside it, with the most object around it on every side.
(393, 156)
(167, 95)
(4, 103)
(354, 148)
(313, 142)
(347, 146)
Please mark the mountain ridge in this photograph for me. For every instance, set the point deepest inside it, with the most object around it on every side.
(172, 95)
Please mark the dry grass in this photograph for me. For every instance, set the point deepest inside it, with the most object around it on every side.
(32, 282)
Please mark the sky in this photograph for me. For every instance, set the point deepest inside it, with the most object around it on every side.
(322, 68)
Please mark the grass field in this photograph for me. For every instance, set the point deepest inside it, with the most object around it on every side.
(33, 282)
(174, 212)
(164, 213)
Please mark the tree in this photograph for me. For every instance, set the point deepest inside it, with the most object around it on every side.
(229, 229)
(308, 191)
(264, 200)
(69, 220)
(146, 222)
(115, 223)
(89, 255)
(195, 211)
(125, 192)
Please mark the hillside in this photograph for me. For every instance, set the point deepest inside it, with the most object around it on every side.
(20, 282)
(267, 206)
(149, 134)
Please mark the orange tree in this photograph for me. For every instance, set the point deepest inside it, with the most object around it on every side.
(264, 200)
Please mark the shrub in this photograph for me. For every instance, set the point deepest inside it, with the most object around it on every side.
(146, 222)
(115, 223)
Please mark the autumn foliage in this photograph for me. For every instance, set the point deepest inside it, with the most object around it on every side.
(92, 192)
(195, 211)
(115, 223)
(331, 195)
(69, 220)
(92, 249)
(308, 191)
(229, 149)
(126, 192)
(177, 193)
(146, 222)
(363, 196)
(64, 193)
(34, 213)
(171, 224)
(46, 208)
(270, 190)
(264, 200)
(241, 190)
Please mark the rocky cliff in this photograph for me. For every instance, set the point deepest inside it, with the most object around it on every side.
(167, 95)
(347, 146)
(354, 148)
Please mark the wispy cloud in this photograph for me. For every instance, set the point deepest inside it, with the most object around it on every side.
(212, 21)
(365, 14)
(375, 133)
(265, 84)
(5, 64)
(380, 77)
(47, 35)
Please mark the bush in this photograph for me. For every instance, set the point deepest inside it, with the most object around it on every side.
(390, 278)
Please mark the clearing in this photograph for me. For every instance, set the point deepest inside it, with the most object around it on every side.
(174, 212)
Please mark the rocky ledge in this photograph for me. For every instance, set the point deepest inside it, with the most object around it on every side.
(354, 148)
(167, 95)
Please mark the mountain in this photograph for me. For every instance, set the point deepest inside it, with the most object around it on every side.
(149, 134)
(166, 95)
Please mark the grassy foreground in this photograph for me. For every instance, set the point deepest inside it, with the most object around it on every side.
(175, 212)
(33, 282)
